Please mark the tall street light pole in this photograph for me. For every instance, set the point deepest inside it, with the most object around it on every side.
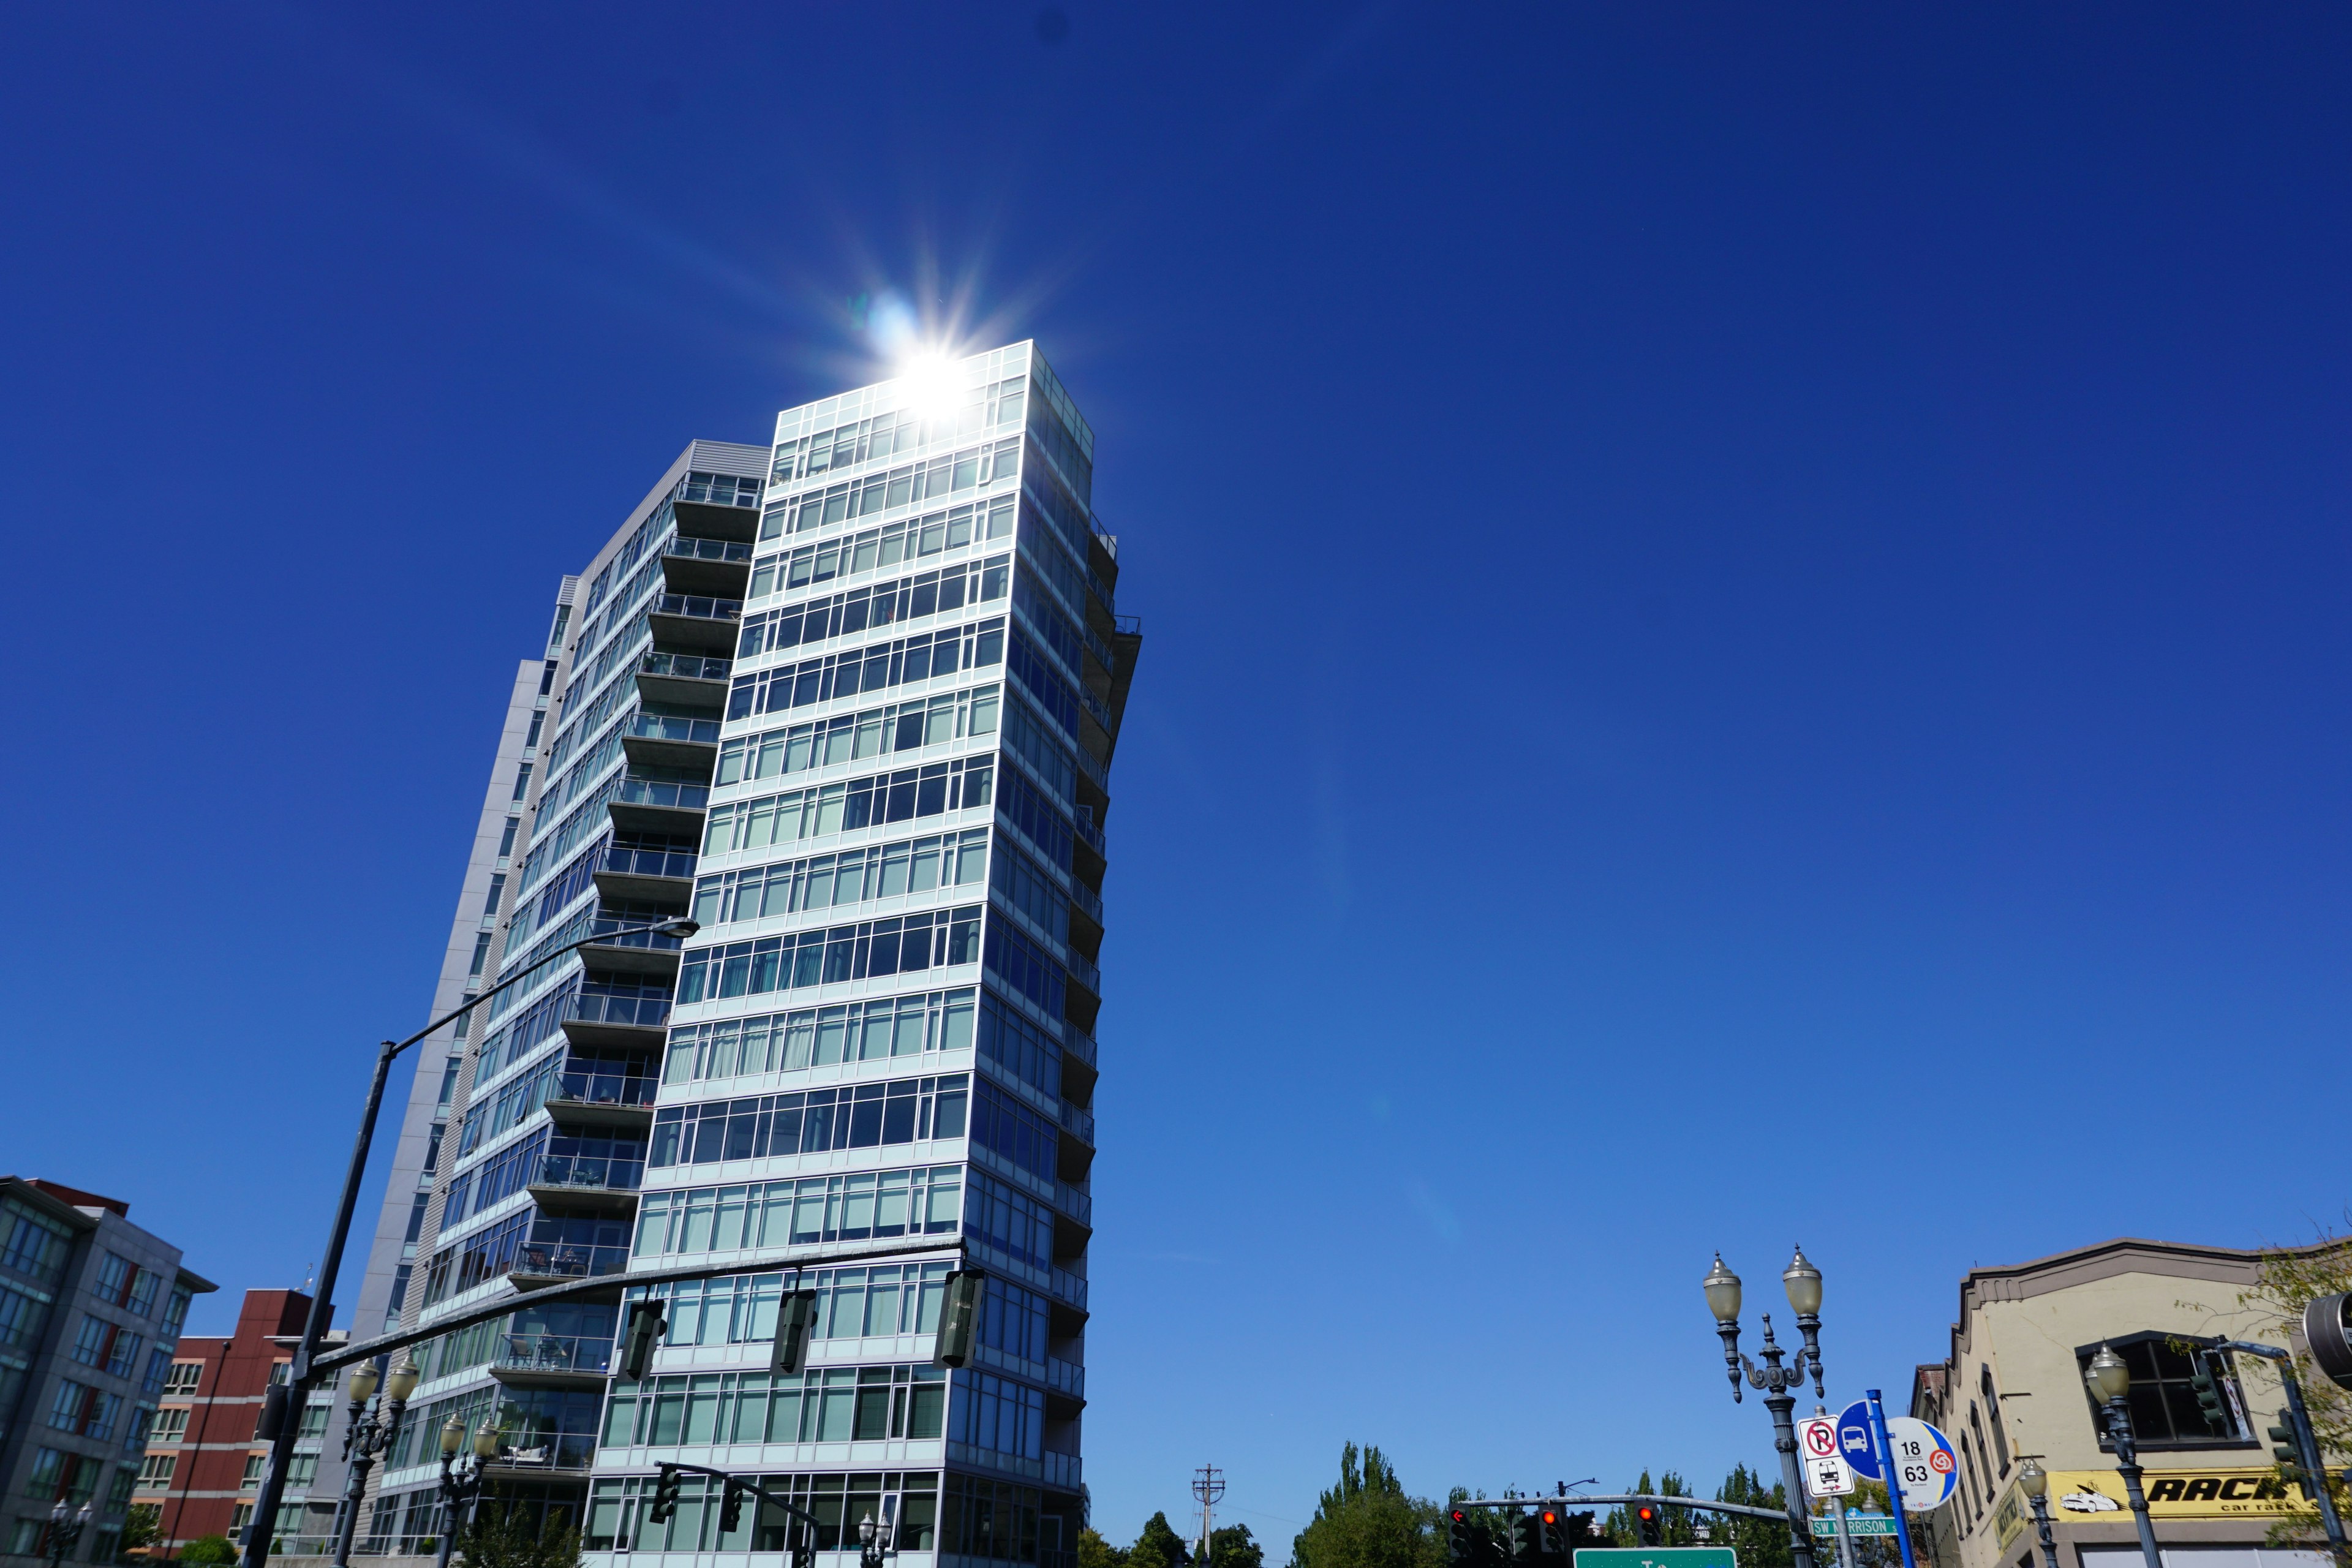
(366, 1436)
(2110, 1381)
(1803, 1283)
(2035, 1481)
(314, 1328)
(460, 1487)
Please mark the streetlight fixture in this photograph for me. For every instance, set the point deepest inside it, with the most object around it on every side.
(65, 1531)
(461, 1486)
(2109, 1381)
(314, 1328)
(873, 1542)
(2034, 1482)
(366, 1436)
(1802, 1282)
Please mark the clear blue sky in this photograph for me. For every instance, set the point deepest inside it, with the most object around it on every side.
(1740, 607)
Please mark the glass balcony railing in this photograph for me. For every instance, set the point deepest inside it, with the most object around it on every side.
(603, 1089)
(1089, 832)
(1066, 1377)
(611, 927)
(708, 549)
(669, 727)
(688, 666)
(1089, 900)
(648, 862)
(640, 1012)
(720, 489)
(602, 1173)
(700, 608)
(560, 1260)
(549, 1451)
(568, 1352)
(659, 791)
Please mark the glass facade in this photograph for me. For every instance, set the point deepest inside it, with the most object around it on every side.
(849, 701)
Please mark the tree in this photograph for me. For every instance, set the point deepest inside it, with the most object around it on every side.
(1757, 1542)
(1367, 1522)
(1093, 1552)
(506, 1533)
(141, 1529)
(2289, 1282)
(1232, 1547)
(206, 1549)
(1158, 1546)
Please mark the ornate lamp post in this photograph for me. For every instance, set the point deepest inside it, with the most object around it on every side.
(366, 1436)
(461, 1486)
(2034, 1482)
(65, 1531)
(1803, 1283)
(873, 1542)
(2110, 1381)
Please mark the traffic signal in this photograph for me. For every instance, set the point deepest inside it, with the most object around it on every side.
(645, 1332)
(958, 1319)
(1648, 1524)
(731, 1508)
(666, 1486)
(1523, 1538)
(1549, 1541)
(2208, 1395)
(2288, 1450)
(804, 1545)
(795, 1314)
(1460, 1545)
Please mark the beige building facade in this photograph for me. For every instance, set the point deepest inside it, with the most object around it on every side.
(2012, 1387)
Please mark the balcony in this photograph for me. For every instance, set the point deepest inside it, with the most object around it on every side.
(692, 620)
(658, 806)
(648, 876)
(561, 1361)
(1080, 1125)
(552, 1263)
(588, 1185)
(716, 566)
(1069, 1286)
(597, 1019)
(1067, 1379)
(685, 680)
(669, 741)
(1083, 969)
(1088, 902)
(602, 1100)
(719, 506)
(630, 951)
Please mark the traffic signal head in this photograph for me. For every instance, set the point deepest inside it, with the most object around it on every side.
(1550, 1542)
(958, 1319)
(644, 1332)
(1523, 1538)
(795, 1314)
(2208, 1394)
(666, 1486)
(1458, 1547)
(804, 1545)
(730, 1510)
(2287, 1448)
(1648, 1523)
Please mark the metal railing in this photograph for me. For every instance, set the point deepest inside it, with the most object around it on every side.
(1084, 821)
(648, 862)
(686, 666)
(1066, 1377)
(668, 727)
(700, 608)
(1084, 971)
(1070, 1289)
(562, 1261)
(602, 1088)
(640, 1012)
(1073, 1203)
(624, 932)
(720, 489)
(601, 1173)
(1089, 900)
(660, 791)
(707, 549)
(1080, 1124)
(568, 1352)
(1078, 1043)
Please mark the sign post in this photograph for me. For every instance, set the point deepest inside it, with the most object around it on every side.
(1884, 1454)
(1827, 1474)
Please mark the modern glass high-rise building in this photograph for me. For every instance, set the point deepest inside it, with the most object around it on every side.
(849, 702)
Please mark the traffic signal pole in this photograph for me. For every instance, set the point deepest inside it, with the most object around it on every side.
(2307, 1441)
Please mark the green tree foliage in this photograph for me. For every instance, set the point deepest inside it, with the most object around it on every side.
(1233, 1547)
(1677, 1526)
(208, 1549)
(2289, 1282)
(1158, 1547)
(140, 1528)
(1757, 1542)
(1093, 1552)
(1367, 1522)
(507, 1534)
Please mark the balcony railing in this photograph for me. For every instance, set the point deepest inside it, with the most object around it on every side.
(583, 1352)
(609, 927)
(603, 1089)
(700, 608)
(1083, 969)
(1081, 1123)
(1062, 1471)
(669, 727)
(1089, 832)
(642, 1012)
(548, 1450)
(602, 1174)
(557, 1260)
(1078, 1043)
(1070, 1288)
(1089, 900)
(1078, 1206)
(686, 666)
(720, 489)
(648, 862)
(1129, 625)
(708, 549)
(658, 792)
(1066, 1377)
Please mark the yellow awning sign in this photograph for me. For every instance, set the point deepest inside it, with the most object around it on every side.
(2082, 1495)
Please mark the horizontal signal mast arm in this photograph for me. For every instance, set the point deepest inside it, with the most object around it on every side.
(1780, 1514)
(771, 1499)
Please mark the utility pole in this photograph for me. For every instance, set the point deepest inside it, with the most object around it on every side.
(1208, 1485)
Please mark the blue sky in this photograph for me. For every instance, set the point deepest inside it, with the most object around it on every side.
(1745, 627)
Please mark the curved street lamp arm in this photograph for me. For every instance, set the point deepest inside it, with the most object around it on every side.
(514, 979)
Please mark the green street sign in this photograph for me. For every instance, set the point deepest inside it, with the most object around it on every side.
(1655, 1557)
(1856, 1525)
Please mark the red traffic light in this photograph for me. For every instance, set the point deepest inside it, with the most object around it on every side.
(1460, 1516)
(1549, 1517)
(1648, 1512)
